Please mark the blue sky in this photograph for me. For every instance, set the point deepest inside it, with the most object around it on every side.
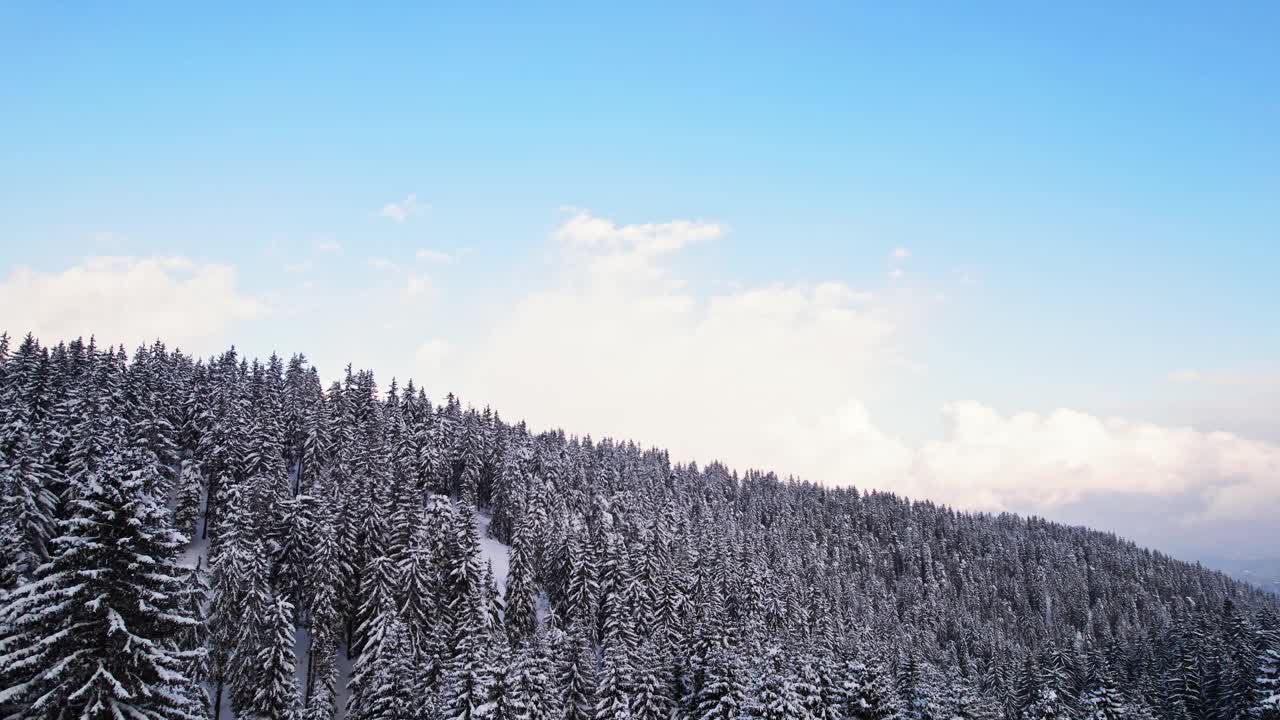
(1086, 196)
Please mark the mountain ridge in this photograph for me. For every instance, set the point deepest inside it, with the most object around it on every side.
(670, 589)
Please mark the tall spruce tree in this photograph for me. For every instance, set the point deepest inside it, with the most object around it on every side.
(95, 633)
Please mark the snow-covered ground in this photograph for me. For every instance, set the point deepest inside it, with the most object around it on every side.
(493, 552)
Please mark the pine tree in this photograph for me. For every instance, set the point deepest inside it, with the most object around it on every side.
(722, 696)
(1046, 704)
(583, 586)
(190, 498)
(255, 628)
(226, 595)
(507, 700)
(579, 680)
(95, 633)
(870, 693)
(651, 696)
(322, 674)
(1268, 685)
(384, 683)
(276, 688)
(1184, 694)
(195, 638)
(27, 508)
(533, 675)
(465, 686)
(419, 585)
(1104, 701)
(378, 589)
(293, 539)
(774, 696)
(613, 689)
(520, 617)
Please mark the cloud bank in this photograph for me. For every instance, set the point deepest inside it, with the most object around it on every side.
(186, 303)
(773, 376)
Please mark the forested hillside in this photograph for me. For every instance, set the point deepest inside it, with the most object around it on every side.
(184, 537)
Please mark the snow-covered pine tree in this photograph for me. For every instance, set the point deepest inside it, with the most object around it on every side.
(190, 498)
(520, 618)
(254, 627)
(28, 508)
(579, 681)
(613, 687)
(379, 583)
(384, 683)
(651, 694)
(872, 697)
(1268, 685)
(507, 700)
(293, 536)
(583, 586)
(465, 688)
(722, 696)
(194, 639)
(95, 633)
(533, 673)
(1104, 701)
(490, 601)
(817, 688)
(275, 685)
(774, 695)
(418, 588)
(226, 601)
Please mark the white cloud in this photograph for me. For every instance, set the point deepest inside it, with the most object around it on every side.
(628, 253)
(379, 263)
(328, 247)
(900, 253)
(416, 284)
(584, 230)
(302, 266)
(434, 256)
(622, 344)
(128, 299)
(1061, 464)
(895, 274)
(1030, 460)
(400, 211)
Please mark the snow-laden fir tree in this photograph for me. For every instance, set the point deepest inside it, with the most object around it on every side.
(95, 633)
(385, 683)
(651, 694)
(520, 617)
(774, 696)
(186, 512)
(579, 678)
(723, 694)
(275, 687)
(1268, 705)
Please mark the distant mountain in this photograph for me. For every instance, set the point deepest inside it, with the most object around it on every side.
(1260, 570)
(339, 571)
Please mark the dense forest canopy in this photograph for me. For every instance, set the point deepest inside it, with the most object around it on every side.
(187, 537)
